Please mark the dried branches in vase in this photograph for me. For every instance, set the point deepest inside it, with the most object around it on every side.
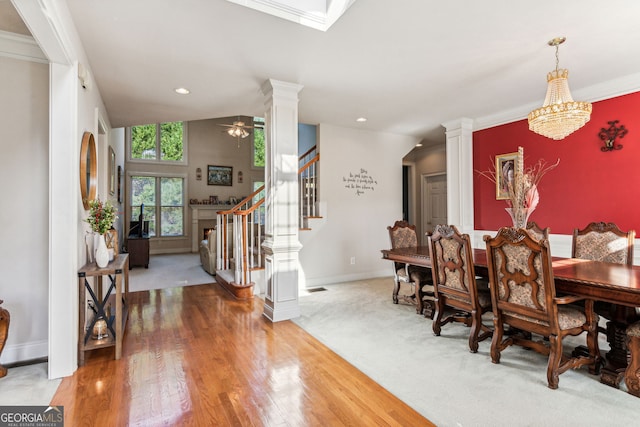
(523, 188)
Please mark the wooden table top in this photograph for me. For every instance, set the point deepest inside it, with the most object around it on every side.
(602, 281)
(119, 264)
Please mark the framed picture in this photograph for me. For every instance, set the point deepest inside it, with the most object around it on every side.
(505, 169)
(119, 184)
(112, 171)
(219, 175)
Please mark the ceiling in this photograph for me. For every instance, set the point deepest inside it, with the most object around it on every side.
(405, 65)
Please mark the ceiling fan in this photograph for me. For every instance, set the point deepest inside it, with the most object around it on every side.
(238, 129)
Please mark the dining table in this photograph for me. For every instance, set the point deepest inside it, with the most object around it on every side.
(617, 284)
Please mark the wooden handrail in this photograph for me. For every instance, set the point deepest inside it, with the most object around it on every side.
(308, 151)
(314, 160)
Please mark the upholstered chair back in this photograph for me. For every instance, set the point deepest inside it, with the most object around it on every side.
(450, 260)
(523, 287)
(538, 232)
(603, 242)
(403, 235)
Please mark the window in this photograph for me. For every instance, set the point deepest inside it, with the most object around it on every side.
(162, 142)
(166, 218)
(258, 142)
(260, 214)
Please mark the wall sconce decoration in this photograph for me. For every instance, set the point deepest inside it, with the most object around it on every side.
(240, 177)
(199, 174)
(609, 135)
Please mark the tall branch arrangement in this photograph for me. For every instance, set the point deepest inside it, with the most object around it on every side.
(523, 189)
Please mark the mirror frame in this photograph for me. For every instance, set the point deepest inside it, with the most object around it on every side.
(88, 169)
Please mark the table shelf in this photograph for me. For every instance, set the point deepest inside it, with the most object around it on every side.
(117, 297)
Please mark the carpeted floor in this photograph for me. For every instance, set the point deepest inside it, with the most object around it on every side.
(395, 347)
(441, 379)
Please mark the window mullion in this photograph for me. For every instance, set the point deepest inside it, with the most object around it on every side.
(157, 207)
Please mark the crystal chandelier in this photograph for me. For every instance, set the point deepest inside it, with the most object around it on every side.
(560, 115)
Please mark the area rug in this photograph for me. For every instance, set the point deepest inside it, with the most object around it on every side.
(441, 379)
(169, 271)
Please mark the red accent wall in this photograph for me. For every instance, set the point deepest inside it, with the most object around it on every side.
(588, 184)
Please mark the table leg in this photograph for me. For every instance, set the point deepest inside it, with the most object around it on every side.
(616, 358)
(119, 315)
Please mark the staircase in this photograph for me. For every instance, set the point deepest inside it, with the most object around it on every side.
(240, 258)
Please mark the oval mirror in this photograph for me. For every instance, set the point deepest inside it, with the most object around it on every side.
(88, 169)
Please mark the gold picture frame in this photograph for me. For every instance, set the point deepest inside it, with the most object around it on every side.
(505, 170)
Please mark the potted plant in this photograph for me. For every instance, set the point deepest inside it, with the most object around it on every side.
(101, 218)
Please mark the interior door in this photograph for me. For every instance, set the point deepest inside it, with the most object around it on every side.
(434, 202)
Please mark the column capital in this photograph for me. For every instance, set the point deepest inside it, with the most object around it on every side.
(456, 124)
(273, 87)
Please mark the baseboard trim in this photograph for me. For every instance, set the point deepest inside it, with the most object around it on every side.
(19, 353)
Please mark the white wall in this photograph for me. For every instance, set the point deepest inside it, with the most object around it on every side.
(24, 216)
(353, 225)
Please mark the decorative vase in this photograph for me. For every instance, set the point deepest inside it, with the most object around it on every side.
(519, 216)
(100, 329)
(102, 253)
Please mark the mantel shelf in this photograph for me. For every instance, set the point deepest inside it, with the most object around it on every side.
(216, 207)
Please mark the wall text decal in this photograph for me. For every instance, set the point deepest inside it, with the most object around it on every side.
(360, 182)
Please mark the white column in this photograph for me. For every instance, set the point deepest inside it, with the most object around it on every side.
(281, 243)
(460, 174)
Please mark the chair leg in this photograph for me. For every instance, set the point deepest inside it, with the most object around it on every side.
(555, 356)
(592, 338)
(496, 340)
(632, 373)
(476, 324)
(437, 317)
(396, 289)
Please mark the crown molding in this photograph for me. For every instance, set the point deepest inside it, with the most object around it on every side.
(598, 92)
(21, 47)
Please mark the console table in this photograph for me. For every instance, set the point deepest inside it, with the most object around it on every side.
(117, 295)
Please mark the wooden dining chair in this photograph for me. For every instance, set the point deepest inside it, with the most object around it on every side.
(523, 296)
(538, 232)
(403, 235)
(632, 372)
(455, 286)
(605, 242)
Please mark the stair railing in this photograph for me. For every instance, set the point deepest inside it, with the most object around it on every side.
(241, 236)
(241, 228)
(307, 185)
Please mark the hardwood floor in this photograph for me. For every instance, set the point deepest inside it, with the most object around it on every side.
(194, 356)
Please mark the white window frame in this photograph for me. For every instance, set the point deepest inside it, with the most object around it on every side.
(253, 145)
(185, 145)
(185, 204)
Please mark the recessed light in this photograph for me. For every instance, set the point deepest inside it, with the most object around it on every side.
(182, 91)
(361, 119)
(419, 144)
